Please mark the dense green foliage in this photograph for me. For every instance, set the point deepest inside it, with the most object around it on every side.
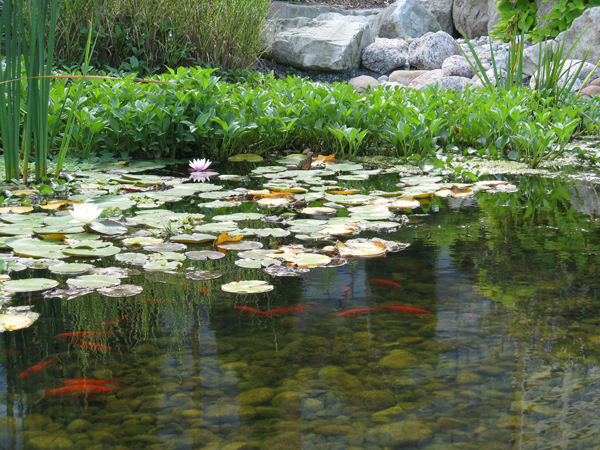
(146, 36)
(523, 14)
(198, 115)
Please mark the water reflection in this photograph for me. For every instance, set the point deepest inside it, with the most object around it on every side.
(508, 358)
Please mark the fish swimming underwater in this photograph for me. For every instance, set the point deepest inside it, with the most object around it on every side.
(248, 309)
(93, 346)
(288, 310)
(80, 334)
(37, 368)
(406, 309)
(386, 283)
(355, 312)
(85, 381)
(77, 390)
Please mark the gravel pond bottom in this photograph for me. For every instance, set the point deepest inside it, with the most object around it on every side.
(506, 358)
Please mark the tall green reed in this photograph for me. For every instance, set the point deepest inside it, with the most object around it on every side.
(28, 29)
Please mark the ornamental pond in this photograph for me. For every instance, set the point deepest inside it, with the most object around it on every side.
(482, 333)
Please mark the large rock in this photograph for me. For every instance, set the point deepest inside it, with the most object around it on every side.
(471, 17)
(429, 78)
(457, 66)
(430, 51)
(442, 11)
(363, 82)
(398, 434)
(586, 26)
(544, 7)
(330, 42)
(405, 77)
(288, 10)
(531, 55)
(455, 84)
(405, 18)
(385, 55)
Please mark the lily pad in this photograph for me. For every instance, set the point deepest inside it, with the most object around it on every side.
(141, 240)
(257, 263)
(167, 256)
(268, 169)
(92, 253)
(285, 271)
(107, 228)
(161, 266)
(421, 180)
(247, 157)
(217, 227)
(240, 245)
(202, 275)
(67, 294)
(112, 201)
(247, 287)
(273, 232)
(237, 217)
(9, 322)
(136, 259)
(30, 285)
(70, 268)
(361, 250)
(195, 238)
(93, 281)
(116, 272)
(204, 255)
(125, 290)
(220, 204)
(164, 247)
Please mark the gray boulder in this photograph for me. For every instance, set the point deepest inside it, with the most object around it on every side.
(385, 55)
(531, 55)
(330, 42)
(431, 50)
(442, 11)
(455, 84)
(404, 18)
(586, 26)
(287, 10)
(471, 17)
(457, 66)
(363, 82)
(405, 77)
(428, 78)
(544, 7)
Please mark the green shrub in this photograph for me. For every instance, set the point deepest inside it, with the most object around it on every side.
(522, 13)
(146, 36)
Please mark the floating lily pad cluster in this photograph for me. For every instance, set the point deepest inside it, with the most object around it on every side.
(314, 206)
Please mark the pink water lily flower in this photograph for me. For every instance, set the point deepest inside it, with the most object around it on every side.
(199, 165)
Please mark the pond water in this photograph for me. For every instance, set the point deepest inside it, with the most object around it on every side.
(505, 354)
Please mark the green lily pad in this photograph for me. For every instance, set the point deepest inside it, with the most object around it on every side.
(421, 180)
(356, 199)
(248, 157)
(204, 255)
(17, 230)
(167, 256)
(195, 238)
(116, 272)
(353, 177)
(215, 195)
(163, 265)
(202, 275)
(70, 268)
(268, 169)
(107, 228)
(165, 247)
(217, 227)
(247, 287)
(141, 240)
(344, 167)
(93, 281)
(10, 322)
(240, 245)
(257, 263)
(92, 253)
(219, 204)
(124, 290)
(273, 232)
(256, 254)
(112, 201)
(30, 285)
(238, 217)
(136, 259)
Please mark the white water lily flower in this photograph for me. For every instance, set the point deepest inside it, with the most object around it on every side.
(199, 165)
(85, 213)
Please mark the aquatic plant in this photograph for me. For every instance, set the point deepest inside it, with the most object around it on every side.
(199, 165)
(85, 213)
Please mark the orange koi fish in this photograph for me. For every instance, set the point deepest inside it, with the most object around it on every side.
(203, 290)
(118, 320)
(80, 334)
(93, 346)
(386, 283)
(84, 381)
(78, 390)
(406, 309)
(250, 310)
(355, 312)
(37, 368)
(347, 290)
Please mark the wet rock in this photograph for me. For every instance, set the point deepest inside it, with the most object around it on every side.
(119, 406)
(431, 50)
(127, 393)
(226, 413)
(398, 434)
(375, 400)
(102, 374)
(77, 426)
(149, 406)
(267, 412)
(387, 415)
(286, 441)
(333, 430)
(203, 435)
(248, 412)
(398, 359)
(313, 405)
(103, 437)
(468, 378)
(254, 397)
(233, 366)
(145, 349)
(146, 439)
(336, 376)
(236, 446)
(457, 66)
(190, 413)
(36, 421)
(288, 401)
(356, 438)
(451, 424)
(48, 443)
